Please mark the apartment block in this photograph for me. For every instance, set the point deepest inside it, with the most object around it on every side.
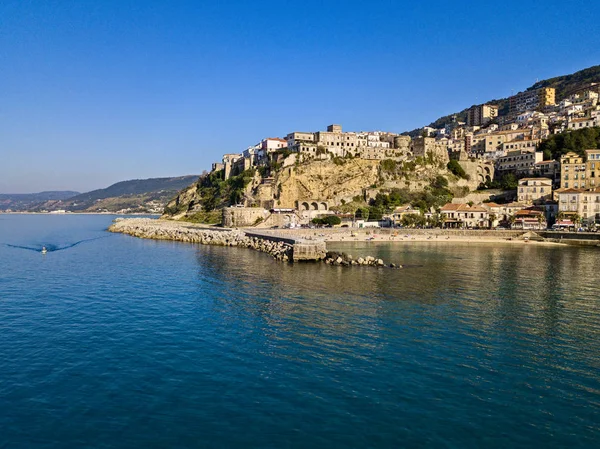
(519, 161)
(578, 172)
(581, 202)
(534, 190)
(481, 115)
(532, 100)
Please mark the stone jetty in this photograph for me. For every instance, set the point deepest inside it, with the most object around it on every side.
(281, 249)
(148, 228)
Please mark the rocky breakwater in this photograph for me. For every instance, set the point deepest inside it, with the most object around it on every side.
(148, 228)
(346, 260)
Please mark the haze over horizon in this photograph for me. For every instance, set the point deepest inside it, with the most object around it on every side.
(99, 92)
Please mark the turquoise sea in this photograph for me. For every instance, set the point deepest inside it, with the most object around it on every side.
(114, 342)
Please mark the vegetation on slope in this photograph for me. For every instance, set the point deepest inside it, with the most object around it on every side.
(433, 196)
(213, 192)
(566, 84)
(456, 169)
(164, 187)
(576, 141)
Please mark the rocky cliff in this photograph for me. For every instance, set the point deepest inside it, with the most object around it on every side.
(336, 181)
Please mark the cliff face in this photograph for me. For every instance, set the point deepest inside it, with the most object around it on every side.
(324, 181)
(335, 181)
(185, 203)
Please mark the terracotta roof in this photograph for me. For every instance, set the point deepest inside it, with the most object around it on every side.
(529, 212)
(463, 208)
(535, 179)
(451, 206)
(572, 191)
(276, 138)
(404, 208)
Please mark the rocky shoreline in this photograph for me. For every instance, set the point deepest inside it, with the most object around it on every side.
(346, 260)
(148, 228)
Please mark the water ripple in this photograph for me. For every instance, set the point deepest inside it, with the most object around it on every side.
(132, 343)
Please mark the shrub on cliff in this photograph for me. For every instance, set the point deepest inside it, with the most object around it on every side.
(456, 169)
(329, 220)
(389, 165)
(215, 192)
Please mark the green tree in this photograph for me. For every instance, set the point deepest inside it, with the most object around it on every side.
(577, 141)
(455, 168)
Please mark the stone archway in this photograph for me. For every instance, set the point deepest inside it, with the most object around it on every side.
(322, 206)
(314, 206)
(305, 206)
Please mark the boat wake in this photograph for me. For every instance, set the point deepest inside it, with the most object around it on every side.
(52, 248)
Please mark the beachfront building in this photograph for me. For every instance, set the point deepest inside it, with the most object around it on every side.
(534, 190)
(530, 219)
(500, 214)
(464, 216)
(403, 211)
(580, 204)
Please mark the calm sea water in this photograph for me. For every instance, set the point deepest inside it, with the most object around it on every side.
(112, 341)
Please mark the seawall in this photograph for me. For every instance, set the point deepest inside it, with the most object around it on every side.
(186, 232)
(284, 248)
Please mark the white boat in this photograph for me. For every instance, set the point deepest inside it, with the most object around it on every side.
(44, 250)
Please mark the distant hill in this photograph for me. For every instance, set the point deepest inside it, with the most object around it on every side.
(135, 196)
(25, 201)
(139, 195)
(564, 85)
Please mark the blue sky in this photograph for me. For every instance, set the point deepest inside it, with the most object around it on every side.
(96, 92)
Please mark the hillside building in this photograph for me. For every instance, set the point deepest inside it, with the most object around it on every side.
(481, 115)
(531, 100)
(518, 161)
(534, 190)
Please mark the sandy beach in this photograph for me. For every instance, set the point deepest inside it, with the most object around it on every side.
(515, 237)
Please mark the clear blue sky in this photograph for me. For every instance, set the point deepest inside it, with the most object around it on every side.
(95, 92)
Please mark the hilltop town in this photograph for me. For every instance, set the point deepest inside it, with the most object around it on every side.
(504, 165)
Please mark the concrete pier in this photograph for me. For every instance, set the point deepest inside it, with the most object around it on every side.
(302, 250)
(307, 251)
